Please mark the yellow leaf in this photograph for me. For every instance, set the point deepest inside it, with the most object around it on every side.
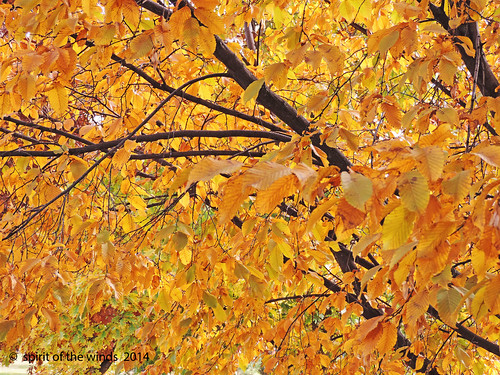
(252, 91)
(448, 302)
(467, 45)
(491, 295)
(185, 256)
(388, 338)
(364, 243)
(382, 40)
(52, 317)
(211, 20)
(129, 145)
(478, 306)
(351, 139)
(208, 168)
(206, 41)
(263, 174)
(275, 258)
(58, 98)
(137, 202)
(317, 102)
(285, 249)
(234, 194)
(141, 45)
(164, 300)
(27, 86)
(314, 59)
(5, 327)
(447, 70)
(414, 191)
(430, 161)
(78, 167)
(417, 306)
(357, 189)
(120, 158)
(276, 73)
(432, 237)
(5, 105)
(269, 198)
(177, 21)
(457, 186)
(319, 211)
(448, 115)
(392, 114)
(490, 154)
(397, 227)
(219, 313)
(191, 32)
(369, 274)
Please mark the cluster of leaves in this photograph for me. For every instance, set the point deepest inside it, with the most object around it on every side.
(309, 185)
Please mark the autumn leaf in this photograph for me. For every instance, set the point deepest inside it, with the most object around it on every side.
(414, 191)
(252, 91)
(397, 227)
(276, 73)
(209, 168)
(490, 154)
(357, 189)
(58, 98)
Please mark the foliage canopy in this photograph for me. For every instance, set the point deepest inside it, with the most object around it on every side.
(311, 185)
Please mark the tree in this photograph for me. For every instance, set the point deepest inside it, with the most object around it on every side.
(199, 185)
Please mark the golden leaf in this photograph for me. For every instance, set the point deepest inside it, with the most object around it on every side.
(457, 186)
(208, 168)
(141, 45)
(490, 154)
(357, 189)
(414, 191)
(211, 20)
(392, 114)
(269, 198)
(78, 167)
(58, 98)
(234, 194)
(448, 302)
(430, 161)
(206, 41)
(397, 227)
(417, 306)
(276, 73)
(252, 91)
(351, 139)
(120, 158)
(52, 317)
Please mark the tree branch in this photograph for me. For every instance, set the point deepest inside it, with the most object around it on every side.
(270, 100)
(103, 146)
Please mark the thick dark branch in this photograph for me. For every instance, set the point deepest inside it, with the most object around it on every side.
(275, 103)
(469, 335)
(216, 107)
(486, 80)
(270, 100)
(104, 146)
